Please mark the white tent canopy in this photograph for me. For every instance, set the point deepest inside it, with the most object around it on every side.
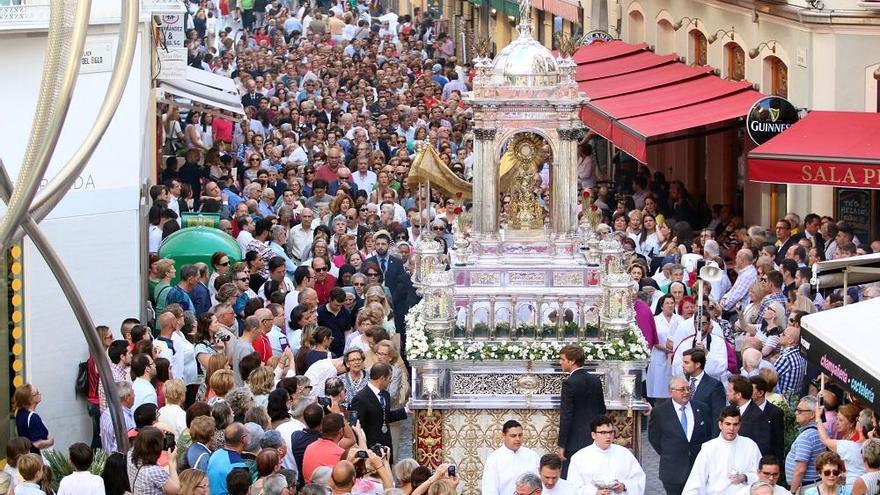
(843, 342)
(203, 91)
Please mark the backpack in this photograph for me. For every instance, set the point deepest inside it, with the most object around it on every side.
(82, 379)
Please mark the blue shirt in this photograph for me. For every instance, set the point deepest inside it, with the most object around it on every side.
(806, 447)
(222, 462)
(179, 296)
(197, 457)
(30, 426)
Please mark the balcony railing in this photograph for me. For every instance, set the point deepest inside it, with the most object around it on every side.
(28, 15)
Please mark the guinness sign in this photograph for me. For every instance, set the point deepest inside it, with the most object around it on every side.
(596, 35)
(769, 116)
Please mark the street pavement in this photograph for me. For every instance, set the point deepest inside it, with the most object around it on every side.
(651, 464)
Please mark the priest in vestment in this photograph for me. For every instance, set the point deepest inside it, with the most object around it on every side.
(605, 468)
(727, 463)
(508, 462)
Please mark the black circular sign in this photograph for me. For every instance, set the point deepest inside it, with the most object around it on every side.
(769, 116)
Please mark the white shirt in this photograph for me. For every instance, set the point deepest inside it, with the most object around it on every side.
(716, 358)
(144, 393)
(318, 373)
(777, 490)
(154, 237)
(81, 483)
(365, 182)
(286, 430)
(244, 238)
(185, 352)
(689, 414)
(174, 417)
(276, 336)
(615, 463)
(717, 460)
(299, 240)
(562, 487)
(504, 466)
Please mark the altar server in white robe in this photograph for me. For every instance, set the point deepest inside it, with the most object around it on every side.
(713, 343)
(508, 462)
(605, 462)
(726, 463)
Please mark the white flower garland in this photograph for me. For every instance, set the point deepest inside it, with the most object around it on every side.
(630, 346)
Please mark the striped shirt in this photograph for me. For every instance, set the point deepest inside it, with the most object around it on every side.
(739, 293)
(791, 367)
(806, 447)
(767, 301)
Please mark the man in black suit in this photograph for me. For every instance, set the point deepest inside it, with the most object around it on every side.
(772, 414)
(784, 239)
(704, 388)
(392, 268)
(677, 429)
(753, 424)
(251, 98)
(373, 405)
(582, 400)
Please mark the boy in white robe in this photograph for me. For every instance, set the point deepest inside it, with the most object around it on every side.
(727, 463)
(508, 462)
(605, 468)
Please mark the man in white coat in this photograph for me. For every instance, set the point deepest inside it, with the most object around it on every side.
(550, 471)
(508, 462)
(727, 463)
(605, 468)
(711, 342)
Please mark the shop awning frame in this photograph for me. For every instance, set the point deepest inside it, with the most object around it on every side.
(201, 91)
(638, 98)
(823, 148)
(838, 341)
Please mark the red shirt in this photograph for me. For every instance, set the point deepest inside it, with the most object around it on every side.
(92, 367)
(321, 452)
(222, 129)
(326, 173)
(263, 348)
(323, 288)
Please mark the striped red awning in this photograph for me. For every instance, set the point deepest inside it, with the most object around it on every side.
(638, 97)
(567, 9)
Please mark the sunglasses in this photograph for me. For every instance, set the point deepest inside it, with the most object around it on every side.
(242, 279)
(830, 472)
(437, 228)
(319, 270)
(225, 263)
(359, 284)
(372, 274)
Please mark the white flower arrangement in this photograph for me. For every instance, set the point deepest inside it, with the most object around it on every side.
(630, 346)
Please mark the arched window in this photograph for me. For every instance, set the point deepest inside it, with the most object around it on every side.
(665, 38)
(775, 77)
(699, 48)
(734, 62)
(636, 31)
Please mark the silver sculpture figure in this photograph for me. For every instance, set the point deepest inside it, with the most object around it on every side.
(68, 27)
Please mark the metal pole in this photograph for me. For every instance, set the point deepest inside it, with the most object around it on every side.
(80, 310)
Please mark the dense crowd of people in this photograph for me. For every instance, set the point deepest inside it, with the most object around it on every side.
(285, 371)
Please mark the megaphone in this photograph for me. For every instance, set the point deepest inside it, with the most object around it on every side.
(711, 272)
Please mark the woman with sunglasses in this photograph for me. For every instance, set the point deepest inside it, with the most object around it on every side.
(308, 176)
(220, 266)
(829, 466)
(850, 451)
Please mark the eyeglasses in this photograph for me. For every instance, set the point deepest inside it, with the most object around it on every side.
(802, 411)
(225, 263)
(319, 270)
(267, 319)
(372, 274)
(255, 159)
(770, 475)
(242, 279)
(437, 228)
(831, 472)
(358, 284)
(352, 218)
(604, 432)
(763, 279)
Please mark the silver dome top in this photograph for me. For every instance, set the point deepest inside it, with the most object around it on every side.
(525, 62)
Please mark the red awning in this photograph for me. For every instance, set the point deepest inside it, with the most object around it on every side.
(638, 97)
(824, 148)
(567, 9)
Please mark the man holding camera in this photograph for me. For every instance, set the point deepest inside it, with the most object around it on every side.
(373, 406)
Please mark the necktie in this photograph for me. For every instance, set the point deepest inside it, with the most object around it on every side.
(693, 386)
(382, 400)
(384, 265)
(684, 421)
